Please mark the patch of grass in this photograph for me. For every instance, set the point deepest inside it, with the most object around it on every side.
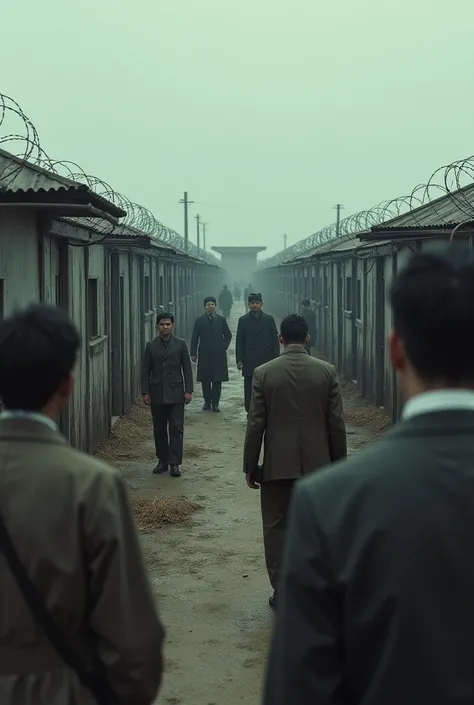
(152, 513)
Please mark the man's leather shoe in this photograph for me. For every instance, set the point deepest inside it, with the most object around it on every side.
(215, 407)
(272, 601)
(206, 406)
(175, 471)
(160, 468)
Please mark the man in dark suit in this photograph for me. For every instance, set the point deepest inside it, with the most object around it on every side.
(167, 385)
(296, 407)
(209, 342)
(376, 602)
(256, 342)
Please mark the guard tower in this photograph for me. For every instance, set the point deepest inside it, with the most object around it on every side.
(240, 263)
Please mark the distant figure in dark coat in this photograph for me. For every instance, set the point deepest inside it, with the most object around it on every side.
(376, 595)
(247, 291)
(209, 342)
(237, 292)
(310, 316)
(225, 301)
(256, 342)
(167, 385)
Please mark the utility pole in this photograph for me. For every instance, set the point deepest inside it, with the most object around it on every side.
(186, 203)
(204, 226)
(198, 234)
(338, 208)
(285, 241)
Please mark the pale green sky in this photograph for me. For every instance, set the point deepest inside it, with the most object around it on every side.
(267, 114)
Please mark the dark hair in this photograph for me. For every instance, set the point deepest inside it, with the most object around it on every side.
(294, 329)
(164, 314)
(38, 351)
(209, 299)
(433, 312)
(255, 298)
(306, 302)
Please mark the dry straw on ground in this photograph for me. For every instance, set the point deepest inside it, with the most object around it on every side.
(358, 412)
(127, 432)
(192, 450)
(151, 513)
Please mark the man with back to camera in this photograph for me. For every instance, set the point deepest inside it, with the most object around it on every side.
(296, 408)
(68, 517)
(209, 342)
(167, 385)
(377, 587)
(256, 342)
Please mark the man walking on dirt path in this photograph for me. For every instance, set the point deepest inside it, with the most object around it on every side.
(209, 342)
(256, 342)
(297, 408)
(167, 385)
(379, 554)
(72, 575)
(225, 302)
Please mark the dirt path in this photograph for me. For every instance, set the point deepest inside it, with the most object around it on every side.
(209, 573)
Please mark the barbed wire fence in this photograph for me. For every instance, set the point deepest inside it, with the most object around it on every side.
(452, 180)
(23, 141)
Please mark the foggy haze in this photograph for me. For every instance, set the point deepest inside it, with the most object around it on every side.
(267, 114)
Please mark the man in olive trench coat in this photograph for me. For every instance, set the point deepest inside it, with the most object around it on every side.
(209, 342)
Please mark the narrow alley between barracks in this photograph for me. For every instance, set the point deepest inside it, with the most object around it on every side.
(202, 540)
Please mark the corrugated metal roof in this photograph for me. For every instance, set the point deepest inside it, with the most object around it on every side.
(30, 184)
(444, 212)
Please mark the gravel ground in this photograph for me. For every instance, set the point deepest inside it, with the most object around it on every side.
(208, 573)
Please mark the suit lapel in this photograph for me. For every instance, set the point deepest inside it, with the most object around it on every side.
(165, 350)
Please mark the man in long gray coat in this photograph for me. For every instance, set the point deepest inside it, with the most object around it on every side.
(209, 342)
(167, 385)
(72, 528)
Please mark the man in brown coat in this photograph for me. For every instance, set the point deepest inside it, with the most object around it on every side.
(68, 518)
(296, 407)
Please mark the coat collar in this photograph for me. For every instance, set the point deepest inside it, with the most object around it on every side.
(294, 349)
(28, 431)
(163, 348)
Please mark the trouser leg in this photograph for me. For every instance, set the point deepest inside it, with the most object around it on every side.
(176, 431)
(159, 415)
(247, 392)
(216, 392)
(275, 500)
(207, 392)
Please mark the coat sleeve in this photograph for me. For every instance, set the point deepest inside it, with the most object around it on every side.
(146, 370)
(276, 342)
(195, 338)
(123, 615)
(304, 665)
(256, 424)
(240, 342)
(227, 335)
(187, 369)
(335, 421)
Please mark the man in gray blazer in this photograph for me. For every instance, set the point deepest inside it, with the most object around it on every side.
(296, 410)
(376, 600)
(167, 385)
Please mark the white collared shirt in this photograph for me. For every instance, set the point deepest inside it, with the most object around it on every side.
(439, 400)
(29, 416)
